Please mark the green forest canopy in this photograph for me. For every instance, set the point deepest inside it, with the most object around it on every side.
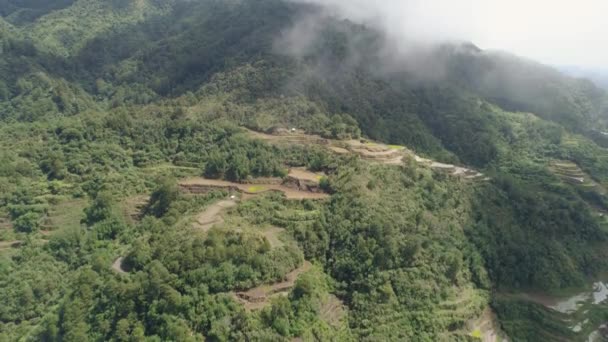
(104, 101)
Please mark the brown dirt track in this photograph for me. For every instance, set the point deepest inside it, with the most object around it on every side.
(202, 185)
(259, 297)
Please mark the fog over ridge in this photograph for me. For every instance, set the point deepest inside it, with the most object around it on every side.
(552, 32)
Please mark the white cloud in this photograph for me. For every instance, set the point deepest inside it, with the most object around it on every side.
(551, 31)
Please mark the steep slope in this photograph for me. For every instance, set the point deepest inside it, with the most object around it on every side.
(517, 84)
(21, 12)
(101, 101)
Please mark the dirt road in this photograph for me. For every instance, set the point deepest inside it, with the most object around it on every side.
(259, 297)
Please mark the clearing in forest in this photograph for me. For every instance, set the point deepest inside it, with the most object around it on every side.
(259, 297)
(5, 223)
(451, 169)
(305, 175)
(368, 150)
(332, 310)
(302, 179)
(66, 214)
(486, 328)
(201, 185)
(118, 267)
(133, 207)
(297, 137)
(211, 216)
(272, 234)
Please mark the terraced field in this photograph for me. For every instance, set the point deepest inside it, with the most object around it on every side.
(464, 304)
(367, 150)
(575, 310)
(204, 185)
(571, 173)
(302, 179)
(133, 207)
(66, 214)
(289, 137)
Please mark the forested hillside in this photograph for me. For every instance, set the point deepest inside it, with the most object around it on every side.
(257, 170)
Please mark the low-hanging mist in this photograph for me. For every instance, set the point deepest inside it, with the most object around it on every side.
(556, 33)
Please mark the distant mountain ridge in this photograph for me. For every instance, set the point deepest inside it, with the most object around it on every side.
(599, 76)
(104, 102)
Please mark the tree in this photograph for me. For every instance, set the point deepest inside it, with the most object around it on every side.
(109, 228)
(162, 198)
(54, 167)
(5, 93)
(100, 209)
(216, 165)
(27, 223)
(238, 169)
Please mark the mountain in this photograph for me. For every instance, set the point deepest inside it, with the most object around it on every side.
(598, 76)
(261, 170)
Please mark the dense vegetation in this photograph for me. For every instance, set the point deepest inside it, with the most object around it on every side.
(102, 102)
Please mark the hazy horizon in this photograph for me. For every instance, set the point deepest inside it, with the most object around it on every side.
(554, 33)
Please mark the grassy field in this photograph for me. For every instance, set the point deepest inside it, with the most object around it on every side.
(396, 147)
(254, 189)
(67, 213)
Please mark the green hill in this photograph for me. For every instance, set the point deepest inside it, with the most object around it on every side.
(106, 104)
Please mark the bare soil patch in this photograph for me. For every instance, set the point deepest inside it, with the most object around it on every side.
(450, 169)
(339, 150)
(394, 161)
(304, 180)
(303, 174)
(117, 266)
(288, 137)
(300, 195)
(212, 215)
(5, 223)
(486, 327)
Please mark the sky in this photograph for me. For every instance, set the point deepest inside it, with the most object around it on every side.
(555, 32)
